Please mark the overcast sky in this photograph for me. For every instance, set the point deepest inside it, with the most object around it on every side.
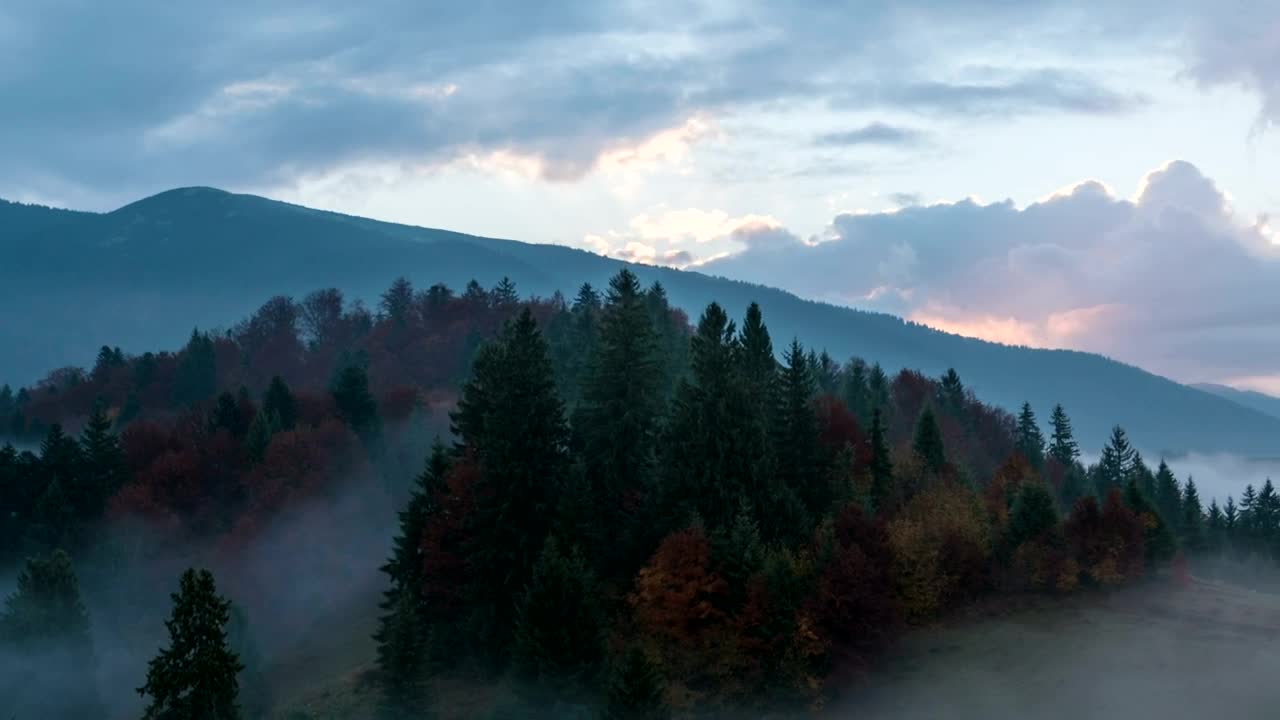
(1094, 174)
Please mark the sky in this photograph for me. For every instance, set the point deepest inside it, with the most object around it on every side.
(1093, 174)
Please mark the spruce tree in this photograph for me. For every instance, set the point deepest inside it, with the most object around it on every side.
(279, 400)
(511, 420)
(856, 395)
(356, 405)
(59, 507)
(1032, 516)
(928, 441)
(1266, 510)
(196, 377)
(104, 470)
(1116, 462)
(258, 438)
(559, 629)
(1215, 528)
(504, 295)
(737, 550)
(1063, 446)
(1029, 439)
(1191, 528)
(404, 683)
(396, 302)
(952, 393)
(796, 435)
(45, 621)
(636, 689)
(881, 465)
(195, 677)
(878, 389)
(227, 415)
(617, 419)
(1168, 495)
(1159, 542)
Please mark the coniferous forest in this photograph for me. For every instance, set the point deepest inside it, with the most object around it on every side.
(599, 504)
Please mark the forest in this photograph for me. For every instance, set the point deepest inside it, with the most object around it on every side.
(599, 504)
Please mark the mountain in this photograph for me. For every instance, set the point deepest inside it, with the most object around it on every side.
(1261, 402)
(143, 275)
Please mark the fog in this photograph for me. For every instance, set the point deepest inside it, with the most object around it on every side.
(1219, 475)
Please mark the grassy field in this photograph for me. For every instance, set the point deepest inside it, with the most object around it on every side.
(1205, 651)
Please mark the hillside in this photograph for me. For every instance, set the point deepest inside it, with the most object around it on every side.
(1249, 398)
(141, 276)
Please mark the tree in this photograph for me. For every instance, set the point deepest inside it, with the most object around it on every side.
(928, 441)
(636, 690)
(227, 415)
(1030, 441)
(195, 677)
(44, 622)
(952, 393)
(279, 400)
(1063, 446)
(618, 416)
(881, 465)
(60, 502)
(104, 466)
(796, 435)
(856, 395)
(356, 405)
(402, 662)
(1158, 537)
(1191, 528)
(196, 377)
(1032, 516)
(1168, 495)
(878, 388)
(559, 630)
(512, 421)
(504, 294)
(397, 302)
(1116, 462)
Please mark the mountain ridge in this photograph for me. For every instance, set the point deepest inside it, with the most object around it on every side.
(141, 275)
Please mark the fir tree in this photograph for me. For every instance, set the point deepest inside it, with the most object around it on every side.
(878, 388)
(1168, 495)
(881, 465)
(559, 625)
(1116, 462)
(396, 302)
(856, 395)
(619, 414)
(928, 441)
(952, 393)
(402, 662)
(356, 405)
(196, 376)
(1266, 510)
(795, 443)
(1029, 440)
(737, 550)
(226, 415)
(1063, 446)
(1191, 528)
(511, 418)
(1215, 528)
(1230, 515)
(279, 400)
(195, 677)
(1032, 516)
(58, 509)
(504, 294)
(104, 471)
(636, 689)
(258, 437)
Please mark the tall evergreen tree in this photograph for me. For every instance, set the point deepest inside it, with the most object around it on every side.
(878, 388)
(356, 405)
(403, 664)
(279, 400)
(673, 338)
(396, 302)
(1116, 462)
(1159, 543)
(559, 630)
(1215, 528)
(952, 393)
(104, 469)
(195, 677)
(881, 465)
(1191, 528)
(856, 395)
(1032, 516)
(504, 294)
(512, 420)
(196, 377)
(795, 444)
(619, 413)
(1063, 446)
(636, 690)
(1168, 496)
(1029, 439)
(45, 621)
(928, 441)
(1266, 510)
(59, 507)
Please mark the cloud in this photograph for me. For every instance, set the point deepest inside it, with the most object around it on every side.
(876, 133)
(1050, 89)
(1170, 279)
(689, 237)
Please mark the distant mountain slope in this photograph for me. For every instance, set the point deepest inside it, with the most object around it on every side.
(1261, 402)
(143, 275)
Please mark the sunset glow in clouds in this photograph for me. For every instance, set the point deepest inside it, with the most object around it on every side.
(893, 156)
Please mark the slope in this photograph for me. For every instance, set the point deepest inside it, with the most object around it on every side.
(143, 275)
(1261, 402)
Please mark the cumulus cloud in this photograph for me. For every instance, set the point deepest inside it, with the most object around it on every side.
(1170, 279)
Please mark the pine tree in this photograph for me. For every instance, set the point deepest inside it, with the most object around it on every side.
(756, 362)
(928, 441)
(195, 677)
(226, 415)
(104, 471)
(559, 624)
(1030, 441)
(46, 618)
(1266, 510)
(1063, 446)
(1191, 528)
(512, 421)
(396, 302)
(618, 417)
(1230, 515)
(881, 465)
(856, 395)
(796, 435)
(279, 400)
(1116, 462)
(356, 405)
(673, 338)
(737, 550)
(636, 690)
(1168, 495)
(1075, 485)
